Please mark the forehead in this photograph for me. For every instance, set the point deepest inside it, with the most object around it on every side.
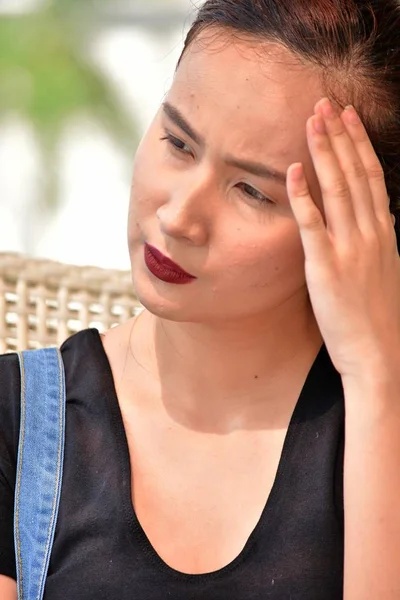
(241, 91)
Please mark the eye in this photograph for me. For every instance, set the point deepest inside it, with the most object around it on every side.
(176, 144)
(251, 192)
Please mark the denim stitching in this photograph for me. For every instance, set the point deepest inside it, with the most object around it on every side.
(55, 498)
(19, 475)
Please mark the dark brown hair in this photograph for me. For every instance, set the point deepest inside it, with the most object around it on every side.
(355, 45)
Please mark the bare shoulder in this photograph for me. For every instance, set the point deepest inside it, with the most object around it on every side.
(8, 588)
(116, 344)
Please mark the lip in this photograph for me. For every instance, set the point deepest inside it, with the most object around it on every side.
(164, 268)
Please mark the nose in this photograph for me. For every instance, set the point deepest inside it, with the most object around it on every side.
(188, 213)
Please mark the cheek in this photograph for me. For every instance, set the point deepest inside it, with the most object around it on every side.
(273, 254)
(139, 197)
(147, 191)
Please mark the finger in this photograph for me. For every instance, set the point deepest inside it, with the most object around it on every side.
(351, 165)
(311, 224)
(337, 202)
(369, 158)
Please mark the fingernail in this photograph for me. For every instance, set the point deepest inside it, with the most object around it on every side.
(319, 125)
(351, 115)
(327, 109)
(297, 172)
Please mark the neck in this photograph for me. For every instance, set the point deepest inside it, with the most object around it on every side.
(230, 369)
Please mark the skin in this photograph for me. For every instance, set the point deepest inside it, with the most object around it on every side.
(202, 368)
(353, 276)
(216, 367)
(252, 263)
(195, 210)
(247, 316)
(247, 319)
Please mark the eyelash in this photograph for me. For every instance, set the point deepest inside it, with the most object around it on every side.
(172, 141)
(246, 189)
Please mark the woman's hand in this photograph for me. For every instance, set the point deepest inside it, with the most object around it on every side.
(352, 263)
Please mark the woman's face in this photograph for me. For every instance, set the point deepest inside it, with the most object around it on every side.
(198, 198)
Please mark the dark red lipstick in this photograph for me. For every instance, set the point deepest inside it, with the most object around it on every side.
(164, 268)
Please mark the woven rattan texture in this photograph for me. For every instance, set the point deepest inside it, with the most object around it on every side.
(43, 302)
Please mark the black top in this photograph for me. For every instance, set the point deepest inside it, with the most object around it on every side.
(100, 550)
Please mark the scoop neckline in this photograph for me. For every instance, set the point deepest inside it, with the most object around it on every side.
(272, 501)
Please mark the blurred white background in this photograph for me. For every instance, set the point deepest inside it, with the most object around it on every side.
(64, 191)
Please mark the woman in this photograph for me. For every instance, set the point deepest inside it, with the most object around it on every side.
(205, 454)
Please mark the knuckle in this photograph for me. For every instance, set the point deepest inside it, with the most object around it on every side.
(388, 229)
(356, 170)
(312, 220)
(339, 132)
(338, 189)
(373, 241)
(303, 192)
(375, 171)
(385, 219)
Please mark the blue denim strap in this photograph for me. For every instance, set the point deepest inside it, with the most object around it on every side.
(39, 467)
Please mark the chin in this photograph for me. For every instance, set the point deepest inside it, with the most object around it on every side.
(162, 300)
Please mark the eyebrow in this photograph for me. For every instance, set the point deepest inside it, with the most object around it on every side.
(256, 168)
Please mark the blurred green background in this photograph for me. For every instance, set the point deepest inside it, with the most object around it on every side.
(92, 66)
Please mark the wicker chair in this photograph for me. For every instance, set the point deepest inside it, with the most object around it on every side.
(43, 302)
